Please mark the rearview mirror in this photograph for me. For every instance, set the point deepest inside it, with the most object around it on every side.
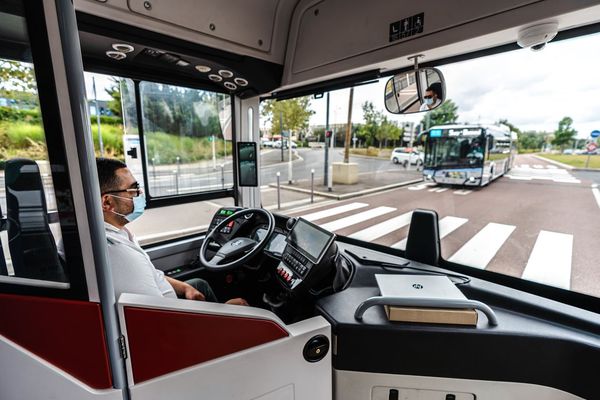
(415, 91)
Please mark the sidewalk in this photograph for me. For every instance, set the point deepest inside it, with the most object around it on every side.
(368, 182)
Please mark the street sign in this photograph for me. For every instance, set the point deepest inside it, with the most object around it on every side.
(595, 134)
(592, 146)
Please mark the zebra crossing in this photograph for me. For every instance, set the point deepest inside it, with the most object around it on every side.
(549, 259)
(433, 188)
(526, 172)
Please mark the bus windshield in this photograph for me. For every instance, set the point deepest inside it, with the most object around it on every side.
(454, 152)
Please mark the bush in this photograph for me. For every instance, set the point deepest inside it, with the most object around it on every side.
(164, 148)
(10, 114)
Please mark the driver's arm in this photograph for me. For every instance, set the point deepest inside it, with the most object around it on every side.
(185, 290)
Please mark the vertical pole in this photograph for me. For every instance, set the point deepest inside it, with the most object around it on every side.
(289, 158)
(281, 132)
(214, 152)
(326, 147)
(177, 175)
(312, 185)
(100, 142)
(278, 192)
(153, 169)
(348, 128)
(223, 176)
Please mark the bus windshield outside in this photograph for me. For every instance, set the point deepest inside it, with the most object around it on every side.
(468, 155)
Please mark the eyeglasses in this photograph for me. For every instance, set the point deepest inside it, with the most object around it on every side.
(428, 97)
(135, 189)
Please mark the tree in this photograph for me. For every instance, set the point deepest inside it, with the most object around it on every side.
(565, 133)
(114, 91)
(295, 114)
(15, 75)
(444, 114)
(388, 131)
(370, 128)
(512, 127)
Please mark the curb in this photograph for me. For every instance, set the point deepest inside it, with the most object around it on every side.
(370, 157)
(348, 195)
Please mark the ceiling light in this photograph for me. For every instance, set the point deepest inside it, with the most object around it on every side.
(241, 81)
(215, 78)
(116, 55)
(225, 73)
(203, 68)
(182, 63)
(230, 86)
(123, 48)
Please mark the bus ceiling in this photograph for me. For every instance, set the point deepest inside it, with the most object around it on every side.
(284, 47)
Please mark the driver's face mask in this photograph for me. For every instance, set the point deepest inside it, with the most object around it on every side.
(139, 204)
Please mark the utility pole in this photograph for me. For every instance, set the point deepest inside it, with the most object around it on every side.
(325, 139)
(348, 129)
(281, 132)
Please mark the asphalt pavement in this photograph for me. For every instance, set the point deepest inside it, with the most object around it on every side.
(539, 222)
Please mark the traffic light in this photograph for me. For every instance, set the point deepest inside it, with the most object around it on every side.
(327, 134)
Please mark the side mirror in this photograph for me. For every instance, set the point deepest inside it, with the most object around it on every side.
(415, 91)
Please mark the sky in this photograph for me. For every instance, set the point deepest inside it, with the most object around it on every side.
(532, 90)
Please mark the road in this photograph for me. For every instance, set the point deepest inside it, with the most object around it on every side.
(540, 222)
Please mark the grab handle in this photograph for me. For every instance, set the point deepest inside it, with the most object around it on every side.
(426, 302)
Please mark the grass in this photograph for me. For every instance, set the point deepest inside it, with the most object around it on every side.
(577, 161)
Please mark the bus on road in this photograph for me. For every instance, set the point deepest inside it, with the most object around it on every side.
(469, 155)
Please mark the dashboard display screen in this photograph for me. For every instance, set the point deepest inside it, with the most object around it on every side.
(310, 240)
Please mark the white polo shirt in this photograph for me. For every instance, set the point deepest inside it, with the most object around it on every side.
(132, 269)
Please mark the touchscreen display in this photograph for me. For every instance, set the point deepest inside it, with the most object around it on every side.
(310, 240)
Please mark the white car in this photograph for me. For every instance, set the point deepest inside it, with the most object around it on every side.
(277, 144)
(406, 156)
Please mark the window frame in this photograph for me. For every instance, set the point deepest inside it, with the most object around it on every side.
(39, 42)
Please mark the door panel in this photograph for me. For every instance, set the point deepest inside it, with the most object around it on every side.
(179, 348)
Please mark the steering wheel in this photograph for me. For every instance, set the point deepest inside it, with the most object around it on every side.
(237, 250)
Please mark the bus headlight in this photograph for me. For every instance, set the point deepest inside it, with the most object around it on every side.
(471, 179)
(429, 177)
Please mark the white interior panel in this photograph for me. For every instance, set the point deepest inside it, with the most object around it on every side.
(275, 370)
(350, 385)
(25, 376)
(238, 24)
(348, 37)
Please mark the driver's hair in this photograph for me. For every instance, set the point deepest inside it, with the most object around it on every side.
(107, 177)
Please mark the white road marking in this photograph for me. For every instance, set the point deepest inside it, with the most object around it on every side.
(447, 225)
(538, 166)
(550, 260)
(356, 218)
(523, 166)
(551, 167)
(462, 192)
(552, 174)
(421, 186)
(382, 229)
(432, 190)
(333, 211)
(482, 247)
(441, 190)
(596, 194)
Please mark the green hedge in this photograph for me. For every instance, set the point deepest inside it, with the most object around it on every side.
(32, 116)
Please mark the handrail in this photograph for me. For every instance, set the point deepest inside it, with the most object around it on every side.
(426, 302)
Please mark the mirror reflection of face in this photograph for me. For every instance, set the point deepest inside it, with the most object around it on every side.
(429, 94)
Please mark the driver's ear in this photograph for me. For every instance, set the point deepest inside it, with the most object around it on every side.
(107, 203)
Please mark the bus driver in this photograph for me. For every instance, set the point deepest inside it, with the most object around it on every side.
(132, 269)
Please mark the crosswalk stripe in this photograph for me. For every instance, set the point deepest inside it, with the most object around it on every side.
(538, 166)
(550, 260)
(524, 165)
(356, 218)
(333, 211)
(441, 190)
(382, 229)
(447, 225)
(596, 194)
(432, 190)
(482, 247)
(551, 167)
(462, 192)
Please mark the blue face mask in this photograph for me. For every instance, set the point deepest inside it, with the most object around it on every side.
(139, 204)
(428, 101)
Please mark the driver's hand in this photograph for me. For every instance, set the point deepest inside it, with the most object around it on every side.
(192, 293)
(238, 301)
